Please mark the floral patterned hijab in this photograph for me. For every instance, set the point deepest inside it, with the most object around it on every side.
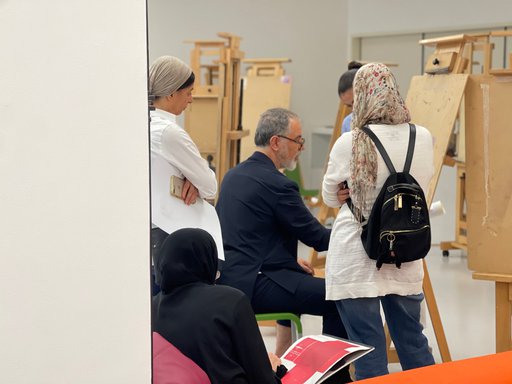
(376, 101)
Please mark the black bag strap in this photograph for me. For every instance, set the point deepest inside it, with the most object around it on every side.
(410, 149)
(387, 160)
(366, 129)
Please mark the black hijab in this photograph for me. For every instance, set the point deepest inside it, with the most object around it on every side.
(187, 256)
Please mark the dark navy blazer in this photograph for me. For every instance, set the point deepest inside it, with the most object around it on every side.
(262, 217)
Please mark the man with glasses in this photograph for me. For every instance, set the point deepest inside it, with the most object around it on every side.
(263, 217)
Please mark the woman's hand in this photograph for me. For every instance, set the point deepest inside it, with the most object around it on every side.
(306, 266)
(343, 193)
(274, 361)
(189, 193)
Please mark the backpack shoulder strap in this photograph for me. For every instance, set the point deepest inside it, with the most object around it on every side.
(410, 149)
(384, 154)
(380, 147)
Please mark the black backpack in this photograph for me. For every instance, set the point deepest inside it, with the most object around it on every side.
(398, 228)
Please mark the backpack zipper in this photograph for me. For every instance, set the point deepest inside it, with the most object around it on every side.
(385, 233)
(413, 187)
(398, 199)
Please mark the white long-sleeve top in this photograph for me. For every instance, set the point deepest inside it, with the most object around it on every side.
(174, 144)
(350, 273)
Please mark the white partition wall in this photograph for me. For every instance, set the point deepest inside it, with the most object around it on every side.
(74, 193)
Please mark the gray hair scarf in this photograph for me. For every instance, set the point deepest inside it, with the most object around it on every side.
(166, 75)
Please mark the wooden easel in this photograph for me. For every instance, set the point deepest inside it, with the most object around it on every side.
(489, 205)
(461, 239)
(481, 42)
(213, 119)
(452, 55)
(265, 86)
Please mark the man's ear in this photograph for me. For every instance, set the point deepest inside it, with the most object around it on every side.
(274, 143)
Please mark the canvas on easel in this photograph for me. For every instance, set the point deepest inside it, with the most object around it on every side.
(265, 86)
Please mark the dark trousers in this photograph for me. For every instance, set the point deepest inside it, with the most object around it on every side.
(309, 298)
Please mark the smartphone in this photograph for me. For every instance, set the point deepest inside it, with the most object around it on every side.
(176, 186)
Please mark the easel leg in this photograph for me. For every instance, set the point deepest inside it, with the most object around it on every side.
(435, 317)
(503, 316)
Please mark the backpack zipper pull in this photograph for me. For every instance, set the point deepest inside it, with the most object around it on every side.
(391, 239)
(399, 201)
(396, 202)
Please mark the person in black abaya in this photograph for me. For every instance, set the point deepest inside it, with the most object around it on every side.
(213, 325)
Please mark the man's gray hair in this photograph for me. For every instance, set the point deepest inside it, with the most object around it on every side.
(273, 122)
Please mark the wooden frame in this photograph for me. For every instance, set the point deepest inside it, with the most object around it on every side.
(213, 119)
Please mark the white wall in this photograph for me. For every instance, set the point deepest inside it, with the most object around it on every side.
(311, 33)
(374, 17)
(74, 199)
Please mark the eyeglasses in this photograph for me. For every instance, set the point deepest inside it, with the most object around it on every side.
(298, 140)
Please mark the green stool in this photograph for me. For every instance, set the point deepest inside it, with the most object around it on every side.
(295, 321)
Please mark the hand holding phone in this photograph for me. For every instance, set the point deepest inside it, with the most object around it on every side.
(183, 189)
(189, 193)
(176, 186)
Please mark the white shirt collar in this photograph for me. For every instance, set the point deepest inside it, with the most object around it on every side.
(164, 114)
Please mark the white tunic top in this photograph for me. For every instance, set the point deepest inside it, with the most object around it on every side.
(173, 143)
(350, 273)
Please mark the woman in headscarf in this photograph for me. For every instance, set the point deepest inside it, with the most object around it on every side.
(214, 325)
(352, 279)
(173, 152)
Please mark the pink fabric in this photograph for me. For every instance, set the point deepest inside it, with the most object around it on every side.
(170, 366)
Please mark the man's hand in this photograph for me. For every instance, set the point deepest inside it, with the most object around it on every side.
(274, 361)
(189, 193)
(306, 266)
(343, 193)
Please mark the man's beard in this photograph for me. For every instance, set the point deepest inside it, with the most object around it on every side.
(289, 164)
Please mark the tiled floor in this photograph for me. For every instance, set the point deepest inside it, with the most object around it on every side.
(466, 307)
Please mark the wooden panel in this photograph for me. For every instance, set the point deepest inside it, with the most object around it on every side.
(433, 102)
(488, 175)
(260, 94)
(201, 122)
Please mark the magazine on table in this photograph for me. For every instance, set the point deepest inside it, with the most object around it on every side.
(312, 359)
